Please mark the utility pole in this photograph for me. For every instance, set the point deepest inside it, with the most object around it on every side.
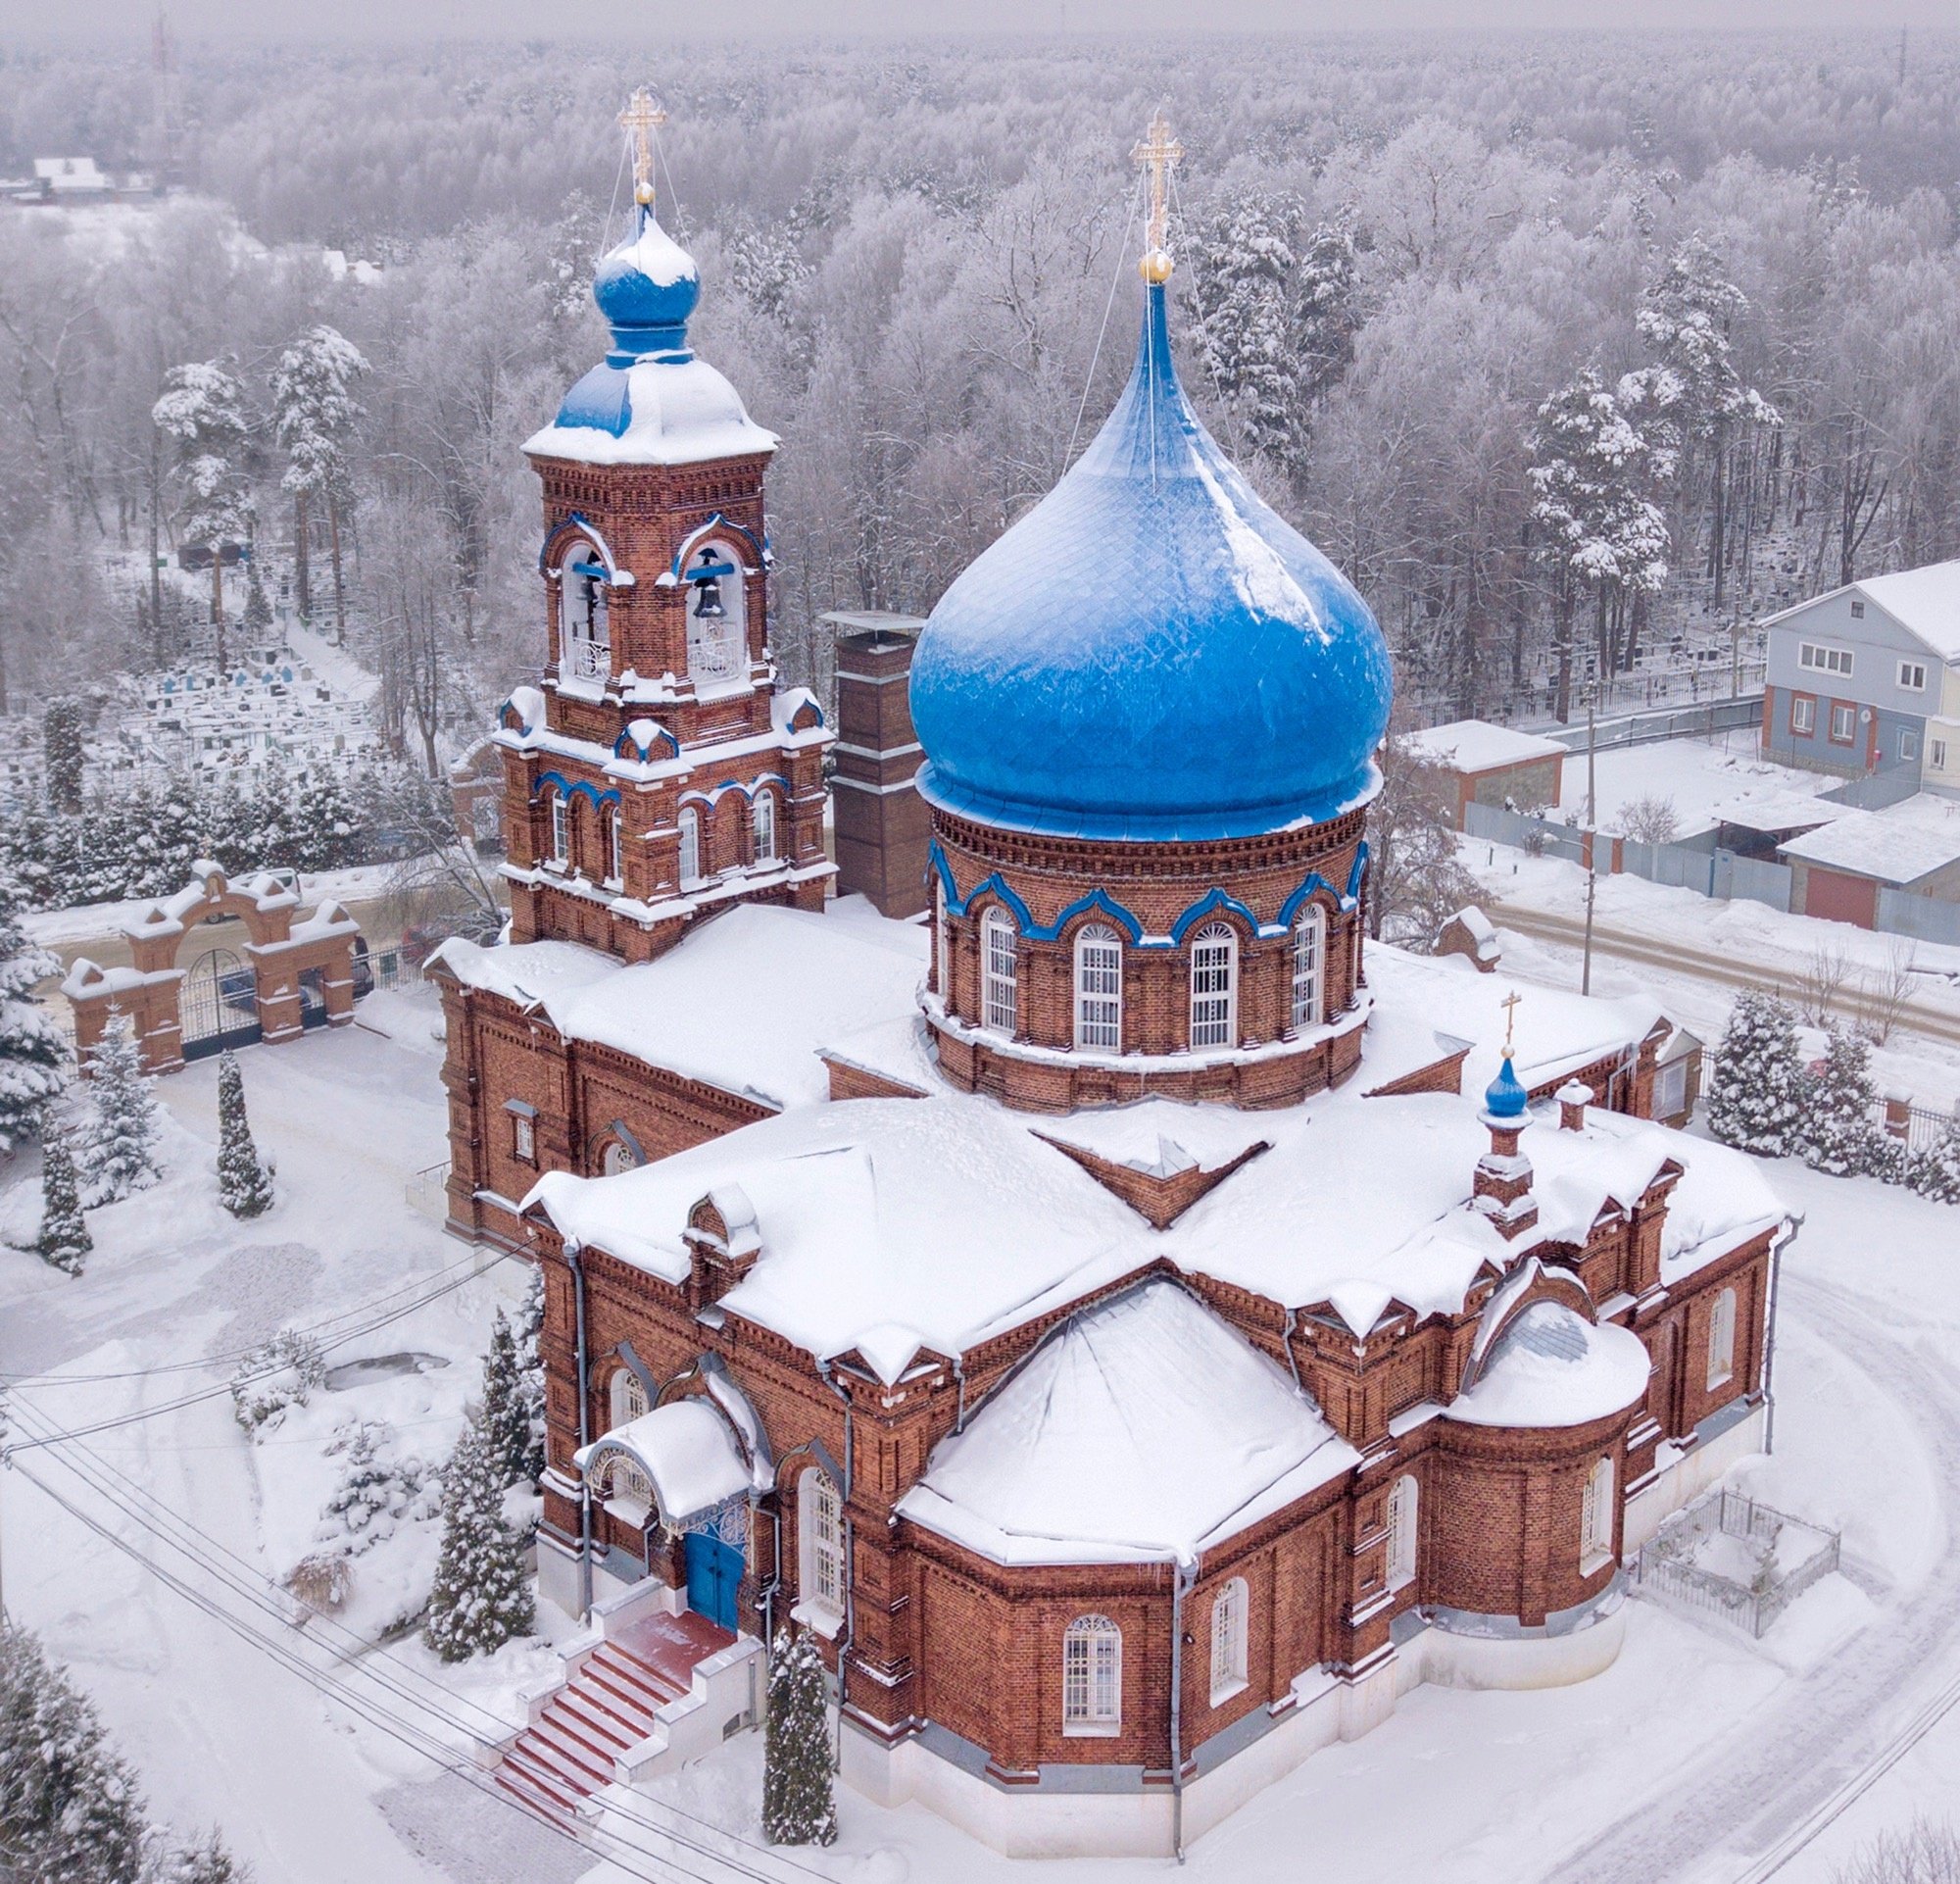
(1592, 843)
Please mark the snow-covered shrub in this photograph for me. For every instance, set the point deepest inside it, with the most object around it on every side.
(482, 1594)
(1756, 1093)
(205, 1862)
(798, 1804)
(323, 1581)
(1840, 1136)
(1936, 1171)
(120, 1149)
(284, 1372)
(375, 1493)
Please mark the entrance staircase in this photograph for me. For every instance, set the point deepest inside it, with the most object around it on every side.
(646, 1697)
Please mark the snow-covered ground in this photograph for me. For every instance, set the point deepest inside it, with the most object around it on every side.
(1694, 1753)
(1704, 779)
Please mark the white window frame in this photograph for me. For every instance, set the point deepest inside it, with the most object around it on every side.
(1092, 1678)
(1820, 659)
(717, 649)
(1404, 1508)
(1215, 987)
(1595, 1518)
(942, 941)
(766, 827)
(822, 1571)
(627, 1401)
(1000, 972)
(1099, 989)
(560, 827)
(1228, 1640)
(1935, 753)
(615, 847)
(1849, 736)
(1912, 676)
(1909, 743)
(585, 633)
(1722, 1339)
(1803, 714)
(1309, 966)
(1671, 1089)
(523, 1138)
(688, 824)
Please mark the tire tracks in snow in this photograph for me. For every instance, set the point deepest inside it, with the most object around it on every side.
(1821, 1730)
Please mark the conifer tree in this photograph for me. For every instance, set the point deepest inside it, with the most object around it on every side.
(205, 1862)
(482, 1594)
(258, 616)
(203, 411)
(1936, 1171)
(531, 1372)
(119, 1154)
(65, 1240)
(31, 1051)
(60, 741)
(506, 1426)
(1839, 1134)
(244, 1185)
(70, 1809)
(1756, 1094)
(798, 1804)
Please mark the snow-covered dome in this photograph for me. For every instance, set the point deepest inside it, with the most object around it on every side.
(1152, 652)
(650, 401)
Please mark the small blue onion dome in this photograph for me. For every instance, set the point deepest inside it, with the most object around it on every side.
(1505, 1098)
(1151, 652)
(646, 288)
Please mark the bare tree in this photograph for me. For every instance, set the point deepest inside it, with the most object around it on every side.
(1823, 979)
(1923, 1853)
(1886, 991)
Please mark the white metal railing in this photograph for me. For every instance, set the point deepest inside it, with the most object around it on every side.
(588, 660)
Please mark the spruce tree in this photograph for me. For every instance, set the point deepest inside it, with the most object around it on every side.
(119, 1154)
(1756, 1094)
(70, 1809)
(798, 1805)
(482, 1594)
(244, 1185)
(65, 1240)
(1936, 1171)
(32, 1049)
(205, 1862)
(531, 1372)
(506, 1426)
(60, 741)
(1839, 1134)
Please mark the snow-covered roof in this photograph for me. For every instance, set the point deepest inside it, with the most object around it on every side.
(688, 1449)
(1141, 1429)
(1553, 1368)
(65, 174)
(655, 411)
(1899, 844)
(1475, 746)
(1925, 602)
(745, 1002)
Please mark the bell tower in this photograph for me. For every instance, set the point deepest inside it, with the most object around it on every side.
(658, 771)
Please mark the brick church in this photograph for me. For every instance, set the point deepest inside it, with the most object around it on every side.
(1140, 1325)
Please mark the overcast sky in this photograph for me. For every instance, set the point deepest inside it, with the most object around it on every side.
(657, 20)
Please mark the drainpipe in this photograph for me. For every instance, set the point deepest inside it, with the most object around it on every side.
(574, 1255)
(1287, 1334)
(850, 1562)
(775, 1582)
(1769, 1330)
(1181, 1582)
(959, 1375)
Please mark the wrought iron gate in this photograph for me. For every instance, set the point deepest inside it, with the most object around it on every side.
(220, 1004)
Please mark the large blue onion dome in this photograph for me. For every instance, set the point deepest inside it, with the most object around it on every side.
(1151, 652)
(650, 401)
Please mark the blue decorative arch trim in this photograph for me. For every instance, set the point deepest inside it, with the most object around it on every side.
(663, 742)
(578, 525)
(718, 523)
(1102, 905)
(582, 789)
(1211, 902)
(1357, 873)
(1290, 908)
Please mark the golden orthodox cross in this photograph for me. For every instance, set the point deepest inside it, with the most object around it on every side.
(640, 119)
(1509, 1003)
(1160, 152)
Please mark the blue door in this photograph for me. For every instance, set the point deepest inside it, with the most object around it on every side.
(714, 1576)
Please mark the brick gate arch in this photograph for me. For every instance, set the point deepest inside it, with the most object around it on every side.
(291, 954)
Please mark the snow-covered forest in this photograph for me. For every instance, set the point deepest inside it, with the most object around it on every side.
(1586, 343)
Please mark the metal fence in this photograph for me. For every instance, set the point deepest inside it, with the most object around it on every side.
(391, 969)
(1788, 1554)
(1665, 722)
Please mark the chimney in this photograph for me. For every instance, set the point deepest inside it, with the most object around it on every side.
(1573, 1098)
(882, 827)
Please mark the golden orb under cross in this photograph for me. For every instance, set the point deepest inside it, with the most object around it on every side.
(1159, 154)
(641, 119)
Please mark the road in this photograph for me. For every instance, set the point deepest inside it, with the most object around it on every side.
(1934, 1020)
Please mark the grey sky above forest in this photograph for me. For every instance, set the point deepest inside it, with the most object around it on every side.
(202, 21)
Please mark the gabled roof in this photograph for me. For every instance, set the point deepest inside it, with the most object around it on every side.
(1925, 602)
(1897, 845)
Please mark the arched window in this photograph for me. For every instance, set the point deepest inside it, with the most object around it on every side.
(1099, 989)
(628, 1395)
(585, 646)
(617, 1156)
(615, 858)
(998, 946)
(1092, 1676)
(1595, 1518)
(1402, 1510)
(942, 942)
(1214, 960)
(1722, 1339)
(820, 1543)
(1309, 955)
(1228, 1641)
(766, 827)
(1354, 959)
(717, 639)
(690, 844)
(560, 827)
